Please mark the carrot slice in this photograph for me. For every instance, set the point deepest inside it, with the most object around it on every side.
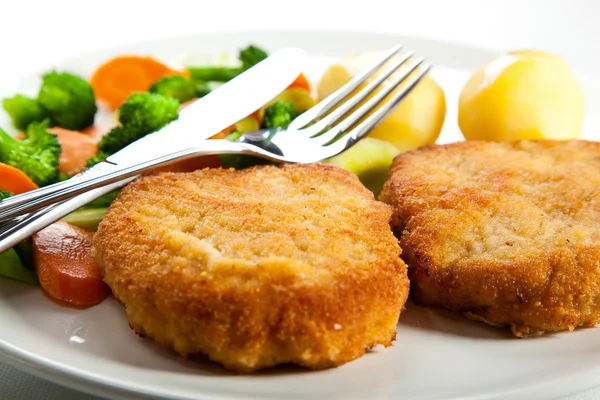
(223, 133)
(65, 267)
(77, 148)
(14, 180)
(301, 82)
(116, 79)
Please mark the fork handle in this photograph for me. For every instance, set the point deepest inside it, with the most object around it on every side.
(104, 174)
(15, 232)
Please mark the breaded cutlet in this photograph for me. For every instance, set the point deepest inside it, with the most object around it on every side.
(256, 267)
(507, 233)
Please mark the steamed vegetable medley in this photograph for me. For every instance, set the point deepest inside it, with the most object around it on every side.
(58, 138)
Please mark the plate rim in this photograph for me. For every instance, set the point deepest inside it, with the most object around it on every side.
(61, 373)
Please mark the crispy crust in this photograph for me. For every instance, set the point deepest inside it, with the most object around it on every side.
(507, 233)
(256, 267)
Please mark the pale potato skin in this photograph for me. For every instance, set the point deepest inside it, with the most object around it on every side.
(256, 267)
(507, 233)
(522, 95)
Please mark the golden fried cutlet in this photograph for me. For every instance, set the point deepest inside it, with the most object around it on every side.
(507, 233)
(256, 267)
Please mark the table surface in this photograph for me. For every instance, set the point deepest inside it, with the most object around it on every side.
(45, 32)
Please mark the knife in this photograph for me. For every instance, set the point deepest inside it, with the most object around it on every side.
(207, 116)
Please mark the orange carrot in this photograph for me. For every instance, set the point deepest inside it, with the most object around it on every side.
(15, 181)
(301, 82)
(256, 114)
(77, 148)
(64, 264)
(223, 133)
(116, 79)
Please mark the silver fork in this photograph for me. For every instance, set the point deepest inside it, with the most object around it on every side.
(317, 134)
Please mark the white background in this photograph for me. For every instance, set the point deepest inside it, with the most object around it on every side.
(43, 32)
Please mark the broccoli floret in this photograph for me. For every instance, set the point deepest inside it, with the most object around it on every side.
(251, 55)
(64, 176)
(101, 156)
(279, 115)
(176, 86)
(118, 138)
(148, 112)
(5, 195)
(141, 114)
(37, 155)
(248, 57)
(23, 110)
(68, 100)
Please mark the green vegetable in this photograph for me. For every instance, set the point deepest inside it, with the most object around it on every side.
(104, 201)
(248, 57)
(251, 55)
(148, 112)
(86, 218)
(279, 115)
(37, 155)
(370, 159)
(247, 124)
(176, 86)
(101, 156)
(64, 176)
(11, 267)
(118, 138)
(25, 252)
(202, 89)
(214, 73)
(141, 114)
(68, 100)
(5, 195)
(23, 111)
(89, 216)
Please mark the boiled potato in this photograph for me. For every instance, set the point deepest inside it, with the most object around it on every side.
(416, 122)
(370, 159)
(522, 95)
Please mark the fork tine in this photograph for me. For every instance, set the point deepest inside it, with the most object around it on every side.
(374, 119)
(367, 107)
(353, 101)
(336, 97)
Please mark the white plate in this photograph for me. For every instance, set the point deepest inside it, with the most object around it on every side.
(437, 354)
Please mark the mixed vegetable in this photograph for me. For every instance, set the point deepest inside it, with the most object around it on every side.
(58, 139)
